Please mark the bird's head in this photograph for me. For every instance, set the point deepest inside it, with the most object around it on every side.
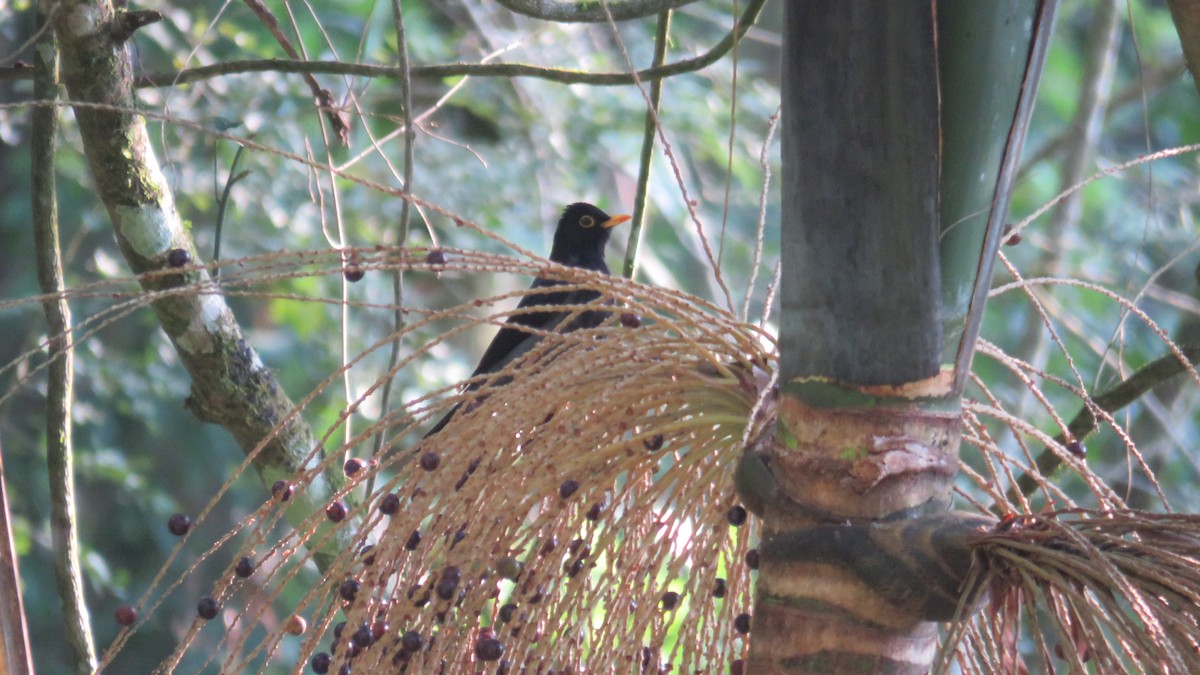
(582, 234)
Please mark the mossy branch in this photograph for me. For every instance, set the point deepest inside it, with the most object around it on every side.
(1124, 393)
(442, 71)
(230, 384)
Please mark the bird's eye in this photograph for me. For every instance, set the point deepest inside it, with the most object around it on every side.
(587, 221)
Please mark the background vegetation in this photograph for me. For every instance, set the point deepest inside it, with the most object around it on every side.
(507, 153)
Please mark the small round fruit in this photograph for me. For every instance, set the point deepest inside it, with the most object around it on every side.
(125, 615)
(741, 623)
(413, 541)
(244, 567)
(353, 466)
(390, 504)
(670, 600)
(178, 257)
(349, 589)
(208, 607)
(296, 625)
(363, 637)
(179, 524)
(489, 649)
(321, 661)
(430, 461)
(736, 515)
(282, 490)
(568, 488)
(336, 511)
(412, 641)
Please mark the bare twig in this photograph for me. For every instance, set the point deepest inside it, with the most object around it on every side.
(402, 228)
(648, 136)
(323, 97)
(438, 72)
(223, 202)
(15, 654)
(590, 12)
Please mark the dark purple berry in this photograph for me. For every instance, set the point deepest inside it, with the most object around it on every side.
(178, 257)
(741, 623)
(654, 443)
(379, 629)
(321, 662)
(1010, 238)
(736, 515)
(349, 589)
(338, 628)
(502, 669)
(414, 540)
(489, 649)
(448, 584)
(435, 257)
(353, 466)
(179, 524)
(345, 669)
(367, 554)
(207, 608)
(670, 600)
(336, 511)
(244, 567)
(574, 568)
(390, 504)
(363, 637)
(282, 490)
(594, 512)
(718, 588)
(412, 641)
(1076, 449)
(353, 273)
(430, 461)
(125, 615)
(568, 488)
(630, 320)
(752, 558)
(506, 612)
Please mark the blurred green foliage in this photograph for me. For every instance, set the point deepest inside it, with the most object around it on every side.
(507, 154)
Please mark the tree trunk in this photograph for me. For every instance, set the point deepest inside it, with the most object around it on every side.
(898, 151)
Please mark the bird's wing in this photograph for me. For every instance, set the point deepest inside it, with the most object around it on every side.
(504, 346)
(514, 339)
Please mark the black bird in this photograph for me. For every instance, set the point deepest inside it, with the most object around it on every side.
(579, 241)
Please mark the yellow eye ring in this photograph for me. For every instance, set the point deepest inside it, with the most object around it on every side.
(587, 221)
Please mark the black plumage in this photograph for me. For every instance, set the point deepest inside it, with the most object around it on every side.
(579, 241)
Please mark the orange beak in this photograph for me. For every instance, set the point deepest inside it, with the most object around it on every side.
(614, 221)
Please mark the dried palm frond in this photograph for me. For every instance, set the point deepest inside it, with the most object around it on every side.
(1114, 591)
(574, 514)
